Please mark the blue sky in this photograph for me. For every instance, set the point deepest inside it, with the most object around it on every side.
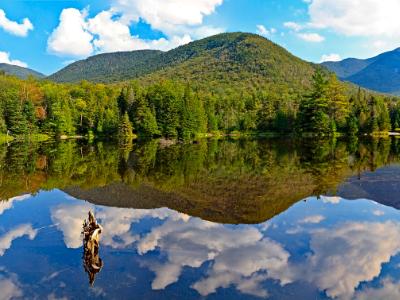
(46, 35)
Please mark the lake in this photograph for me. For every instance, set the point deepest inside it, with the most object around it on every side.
(217, 219)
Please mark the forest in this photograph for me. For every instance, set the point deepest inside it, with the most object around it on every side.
(174, 110)
(221, 180)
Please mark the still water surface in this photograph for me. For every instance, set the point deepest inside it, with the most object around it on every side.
(220, 219)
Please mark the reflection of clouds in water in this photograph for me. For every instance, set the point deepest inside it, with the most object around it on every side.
(116, 222)
(69, 219)
(246, 267)
(15, 233)
(315, 219)
(340, 257)
(347, 255)
(238, 254)
(389, 290)
(7, 204)
(331, 200)
(378, 212)
(9, 286)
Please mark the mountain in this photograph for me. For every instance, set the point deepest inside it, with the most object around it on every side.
(380, 73)
(20, 72)
(229, 59)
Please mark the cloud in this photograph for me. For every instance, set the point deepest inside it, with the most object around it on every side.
(357, 17)
(5, 58)
(371, 19)
(378, 212)
(71, 37)
(331, 200)
(7, 204)
(330, 57)
(293, 26)
(79, 35)
(14, 27)
(113, 35)
(9, 286)
(312, 219)
(170, 17)
(116, 222)
(69, 219)
(192, 242)
(390, 290)
(311, 37)
(7, 239)
(262, 30)
(347, 255)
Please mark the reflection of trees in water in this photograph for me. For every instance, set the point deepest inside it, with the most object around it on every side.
(92, 262)
(247, 176)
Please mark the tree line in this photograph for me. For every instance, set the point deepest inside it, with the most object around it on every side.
(177, 110)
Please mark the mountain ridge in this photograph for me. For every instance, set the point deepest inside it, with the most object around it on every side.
(222, 59)
(20, 72)
(380, 73)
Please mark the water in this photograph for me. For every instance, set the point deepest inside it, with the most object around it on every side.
(225, 219)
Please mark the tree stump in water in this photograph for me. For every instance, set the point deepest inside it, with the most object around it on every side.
(91, 231)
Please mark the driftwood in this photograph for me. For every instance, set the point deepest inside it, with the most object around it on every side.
(91, 232)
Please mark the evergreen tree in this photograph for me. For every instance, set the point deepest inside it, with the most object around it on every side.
(313, 117)
(15, 119)
(125, 130)
(338, 102)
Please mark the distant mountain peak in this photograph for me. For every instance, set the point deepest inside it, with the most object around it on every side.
(20, 72)
(379, 73)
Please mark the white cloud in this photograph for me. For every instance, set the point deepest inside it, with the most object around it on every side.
(330, 57)
(331, 200)
(312, 219)
(71, 37)
(17, 232)
(170, 17)
(5, 58)
(311, 37)
(9, 286)
(390, 290)
(376, 20)
(113, 35)
(14, 27)
(357, 17)
(7, 204)
(262, 30)
(69, 219)
(78, 35)
(293, 26)
(191, 242)
(378, 212)
(347, 255)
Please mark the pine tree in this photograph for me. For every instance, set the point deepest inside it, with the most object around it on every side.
(125, 129)
(313, 111)
(143, 118)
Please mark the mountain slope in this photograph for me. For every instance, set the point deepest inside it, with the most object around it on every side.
(380, 73)
(225, 59)
(20, 72)
(109, 67)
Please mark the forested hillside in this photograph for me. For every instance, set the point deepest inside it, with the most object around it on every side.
(224, 84)
(20, 72)
(224, 60)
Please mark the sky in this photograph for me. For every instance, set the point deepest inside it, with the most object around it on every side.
(47, 35)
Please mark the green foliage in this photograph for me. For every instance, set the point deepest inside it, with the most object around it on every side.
(313, 113)
(125, 129)
(19, 72)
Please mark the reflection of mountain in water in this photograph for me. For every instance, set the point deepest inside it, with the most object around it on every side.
(383, 186)
(244, 181)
